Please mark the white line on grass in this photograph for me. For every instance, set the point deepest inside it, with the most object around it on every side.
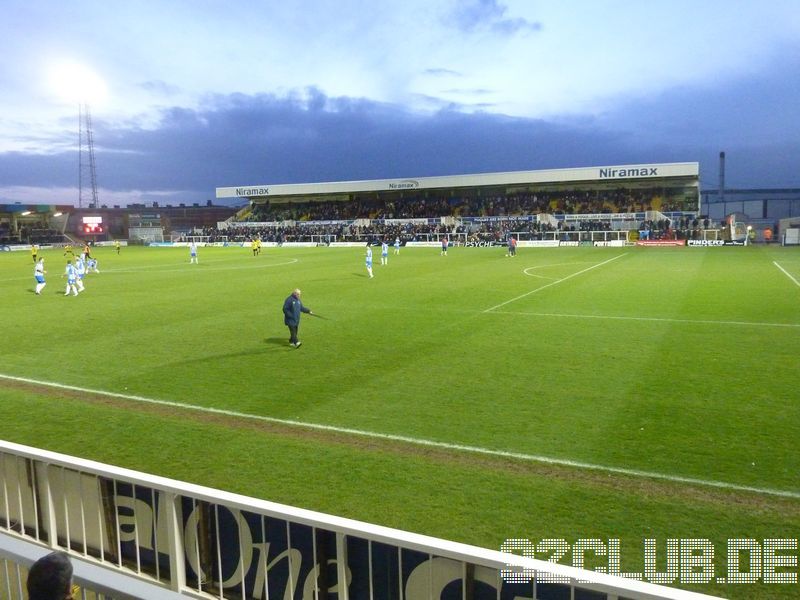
(785, 272)
(561, 462)
(556, 282)
(656, 319)
(525, 271)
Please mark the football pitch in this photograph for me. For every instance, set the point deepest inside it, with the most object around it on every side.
(570, 393)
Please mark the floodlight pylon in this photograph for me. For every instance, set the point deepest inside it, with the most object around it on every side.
(87, 170)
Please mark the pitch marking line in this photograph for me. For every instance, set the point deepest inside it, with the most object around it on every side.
(561, 462)
(526, 270)
(785, 272)
(556, 282)
(656, 319)
(535, 275)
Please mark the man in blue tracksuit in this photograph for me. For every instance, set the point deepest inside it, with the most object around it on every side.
(292, 307)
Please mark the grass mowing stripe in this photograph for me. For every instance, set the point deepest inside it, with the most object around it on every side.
(205, 269)
(421, 442)
(556, 282)
(785, 272)
(181, 269)
(656, 319)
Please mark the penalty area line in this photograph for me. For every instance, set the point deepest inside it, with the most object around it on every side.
(785, 272)
(556, 282)
(561, 462)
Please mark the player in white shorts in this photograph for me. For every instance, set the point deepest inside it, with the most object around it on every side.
(369, 261)
(38, 275)
(71, 276)
(80, 272)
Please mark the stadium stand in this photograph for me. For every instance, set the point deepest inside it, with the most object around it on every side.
(612, 201)
(466, 219)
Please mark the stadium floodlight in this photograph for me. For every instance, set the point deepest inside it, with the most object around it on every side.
(25, 213)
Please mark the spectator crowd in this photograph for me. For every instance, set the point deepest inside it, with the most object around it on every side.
(476, 219)
(567, 202)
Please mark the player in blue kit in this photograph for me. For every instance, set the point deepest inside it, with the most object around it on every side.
(369, 261)
(397, 245)
(384, 253)
(72, 277)
(38, 275)
(193, 254)
(80, 272)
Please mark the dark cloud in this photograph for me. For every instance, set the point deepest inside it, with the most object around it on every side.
(265, 139)
(753, 119)
(488, 15)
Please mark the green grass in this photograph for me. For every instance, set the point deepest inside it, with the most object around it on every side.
(680, 362)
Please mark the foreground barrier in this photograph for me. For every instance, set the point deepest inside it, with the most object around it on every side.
(191, 540)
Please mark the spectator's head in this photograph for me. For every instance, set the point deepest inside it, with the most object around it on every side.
(50, 578)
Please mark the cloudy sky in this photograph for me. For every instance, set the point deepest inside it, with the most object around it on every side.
(190, 95)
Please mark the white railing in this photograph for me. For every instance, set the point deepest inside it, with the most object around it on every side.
(94, 581)
(200, 542)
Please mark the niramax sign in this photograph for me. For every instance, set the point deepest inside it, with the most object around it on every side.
(580, 174)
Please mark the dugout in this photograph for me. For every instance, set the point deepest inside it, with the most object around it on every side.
(669, 188)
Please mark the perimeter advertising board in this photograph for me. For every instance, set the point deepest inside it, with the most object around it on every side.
(255, 556)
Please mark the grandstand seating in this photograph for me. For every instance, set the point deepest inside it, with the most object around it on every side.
(570, 202)
(477, 219)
